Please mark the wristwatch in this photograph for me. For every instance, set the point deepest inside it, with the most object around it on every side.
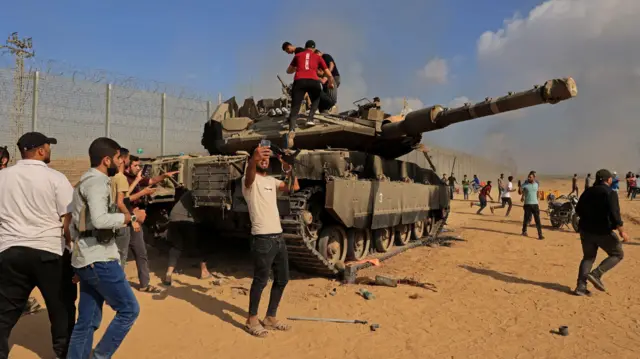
(134, 218)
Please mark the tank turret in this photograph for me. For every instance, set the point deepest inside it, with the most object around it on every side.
(366, 129)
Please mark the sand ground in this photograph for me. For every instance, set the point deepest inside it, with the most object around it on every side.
(498, 296)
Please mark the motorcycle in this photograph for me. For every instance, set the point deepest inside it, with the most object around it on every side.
(562, 211)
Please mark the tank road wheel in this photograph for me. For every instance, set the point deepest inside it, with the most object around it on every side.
(383, 239)
(403, 234)
(417, 230)
(332, 243)
(359, 242)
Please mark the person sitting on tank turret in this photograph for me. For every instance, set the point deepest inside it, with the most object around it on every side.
(328, 59)
(305, 65)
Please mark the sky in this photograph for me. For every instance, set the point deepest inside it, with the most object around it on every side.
(445, 52)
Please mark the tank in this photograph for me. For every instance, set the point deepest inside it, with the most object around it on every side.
(356, 201)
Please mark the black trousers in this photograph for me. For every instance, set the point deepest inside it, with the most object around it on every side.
(532, 210)
(21, 270)
(300, 87)
(269, 252)
(590, 244)
(181, 234)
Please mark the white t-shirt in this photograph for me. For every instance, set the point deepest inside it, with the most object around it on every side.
(33, 199)
(507, 191)
(262, 201)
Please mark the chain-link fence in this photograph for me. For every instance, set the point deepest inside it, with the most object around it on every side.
(76, 106)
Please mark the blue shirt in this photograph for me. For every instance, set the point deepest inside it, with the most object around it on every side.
(530, 191)
(615, 184)
(476, 180)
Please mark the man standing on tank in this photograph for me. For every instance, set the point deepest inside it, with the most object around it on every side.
(332, 92)
(305, 66)
(290, 49)
(268, 247)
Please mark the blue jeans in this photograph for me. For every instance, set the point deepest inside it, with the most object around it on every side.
(100, 282)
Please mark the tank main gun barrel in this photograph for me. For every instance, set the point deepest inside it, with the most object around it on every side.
(436, 117)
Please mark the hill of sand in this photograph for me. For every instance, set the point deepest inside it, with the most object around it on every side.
(498, 296)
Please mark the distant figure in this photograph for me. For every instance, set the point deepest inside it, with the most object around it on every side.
(531, 207)
(482, 197)
(506, 197)
(634, 186)
(574, 185)
(599, 213)
(465, 187)
(476, 183)
(628, 178)
(587, 181)
(452, 185)
(500, 185)
(615, 182)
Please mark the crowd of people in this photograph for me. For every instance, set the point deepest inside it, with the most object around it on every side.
(55, 235)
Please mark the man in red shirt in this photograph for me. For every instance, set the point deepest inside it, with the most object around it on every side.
(305, 65)
(482, 197)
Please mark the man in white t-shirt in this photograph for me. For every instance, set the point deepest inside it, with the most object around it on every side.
(268, 247)
(505, 196)
(34, 223)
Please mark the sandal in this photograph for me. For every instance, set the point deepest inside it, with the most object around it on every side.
(167, 280)
(277, 326)
(150, 289)
(256, 331)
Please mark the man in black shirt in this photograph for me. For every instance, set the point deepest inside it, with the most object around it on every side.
(574, 185)
(290, 49)
(452, 185)
(333, 92)
(599, 213)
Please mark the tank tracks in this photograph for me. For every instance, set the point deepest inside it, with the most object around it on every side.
(301, 246)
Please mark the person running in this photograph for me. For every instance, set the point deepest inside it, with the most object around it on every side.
(615, 184)
(506, 197)
(482, 197)
(96, 259)
(531, 206)
(475, 183)
(574, 185)
(500, 185)
(634, 186)
(599, 213)
(268, 248)
(465, 187)
(305, 66)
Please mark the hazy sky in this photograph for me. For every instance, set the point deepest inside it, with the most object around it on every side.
(432, 52)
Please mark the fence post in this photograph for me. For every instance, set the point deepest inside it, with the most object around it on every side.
(163, 123)
(107, 120)
(34, 106)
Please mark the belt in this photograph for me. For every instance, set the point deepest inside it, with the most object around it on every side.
(87, 234)
(268, 236)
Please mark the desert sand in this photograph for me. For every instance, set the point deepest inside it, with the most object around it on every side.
(498, 296)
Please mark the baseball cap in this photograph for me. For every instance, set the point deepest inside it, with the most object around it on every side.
(603, 175)
(310, 44)
(31, 140)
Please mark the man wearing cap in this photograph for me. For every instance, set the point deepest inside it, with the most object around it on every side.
(34, 224)
(599, 213)
(305, 65)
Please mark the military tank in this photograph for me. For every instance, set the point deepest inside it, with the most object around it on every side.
(356, 201)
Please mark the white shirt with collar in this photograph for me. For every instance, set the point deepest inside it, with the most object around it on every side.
(33, 197)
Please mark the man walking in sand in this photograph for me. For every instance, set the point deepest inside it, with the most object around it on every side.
(500, 185)
(531, 207)
(268, 248)
(587, 181)
(506, 197)
(482, 197)
(574, 185)
(599, 213)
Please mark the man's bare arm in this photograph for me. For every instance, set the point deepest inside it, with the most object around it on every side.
(66, 223)
(291, 70)
(284, 188)
(120, 202)
(250, 173)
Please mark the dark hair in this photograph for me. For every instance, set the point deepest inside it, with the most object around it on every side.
(510, 178)
(588, 174)
(133, 158)
(124, 152)
(100, 148)
(285, 44)
(575, 174)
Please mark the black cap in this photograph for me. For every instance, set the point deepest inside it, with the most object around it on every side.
(310, 44)
(603, 175)
(31, 140)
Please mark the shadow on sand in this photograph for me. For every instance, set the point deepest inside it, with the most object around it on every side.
(33, 333)
(513, 279)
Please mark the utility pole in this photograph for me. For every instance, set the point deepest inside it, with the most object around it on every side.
(21, 49)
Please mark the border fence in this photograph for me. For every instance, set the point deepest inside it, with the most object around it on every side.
(77, 106)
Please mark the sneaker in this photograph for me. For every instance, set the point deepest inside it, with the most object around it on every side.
(540, 237)
(582, 291)
(524, 234)
(31, 307)
(596, 281)
(311, 123)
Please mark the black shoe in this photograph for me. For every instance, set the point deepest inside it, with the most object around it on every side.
(596, 281)
(541, 237)
(582, 291)
(524, 234)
